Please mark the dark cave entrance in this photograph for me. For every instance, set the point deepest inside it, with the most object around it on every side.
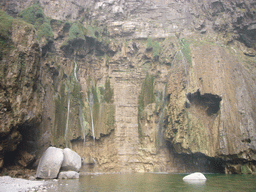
(197, 162)
(207, 101)
(24, 156)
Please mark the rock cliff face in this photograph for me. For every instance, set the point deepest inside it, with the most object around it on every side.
(136, 86)
(20, 95)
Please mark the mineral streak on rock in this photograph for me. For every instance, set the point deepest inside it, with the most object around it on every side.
(112, 47)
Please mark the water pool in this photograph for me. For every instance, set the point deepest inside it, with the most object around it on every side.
(155, 182)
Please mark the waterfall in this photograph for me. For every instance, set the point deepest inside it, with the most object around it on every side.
(66, 129)
(91, 111)
(81, 119)
(160, 121)
(75, 68)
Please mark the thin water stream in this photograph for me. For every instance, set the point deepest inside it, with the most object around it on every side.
(91, 107)
(66, 128)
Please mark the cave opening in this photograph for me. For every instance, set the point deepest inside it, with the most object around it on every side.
(208, 101)
(197, 162)
(24, 156)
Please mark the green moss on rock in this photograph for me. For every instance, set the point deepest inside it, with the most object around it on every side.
(61, 103)
(146, 97)
(77, 30)
(155, 47)
(109, 92)
(185, 48)
(35, 16)
(5, 33)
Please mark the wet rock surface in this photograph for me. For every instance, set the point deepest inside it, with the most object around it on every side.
(108, 53)
(68, 175)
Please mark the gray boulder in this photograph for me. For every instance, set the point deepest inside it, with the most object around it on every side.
(72, 161)
(50, 163)
(68, 175)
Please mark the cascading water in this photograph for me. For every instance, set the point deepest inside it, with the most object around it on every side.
(66, 128)
(160, 122)
(75, 71)
(91, 107)
(81, 118)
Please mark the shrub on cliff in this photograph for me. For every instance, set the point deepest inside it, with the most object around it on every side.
(5, 30)
(5, 24)
(34, 15)
(155, 46)
(31, 14)
(77, 30)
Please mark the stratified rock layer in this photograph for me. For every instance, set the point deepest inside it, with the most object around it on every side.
(139, 86)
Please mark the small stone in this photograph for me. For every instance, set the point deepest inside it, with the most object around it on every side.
(68, 175)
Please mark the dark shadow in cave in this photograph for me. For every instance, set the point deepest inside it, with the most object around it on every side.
(25, 153)
(197, 162)
(208, 101)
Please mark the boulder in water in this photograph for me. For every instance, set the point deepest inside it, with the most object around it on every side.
(68, 175)
(195, 176)
(72, 161)
(50, 163)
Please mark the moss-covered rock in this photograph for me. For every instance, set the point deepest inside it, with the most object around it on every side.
(35, 16)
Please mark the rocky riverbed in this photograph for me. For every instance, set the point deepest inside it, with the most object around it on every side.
(8, 183)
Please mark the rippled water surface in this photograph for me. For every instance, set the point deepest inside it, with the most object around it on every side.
(155, 182)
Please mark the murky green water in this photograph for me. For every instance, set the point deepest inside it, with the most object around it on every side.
(155, 182)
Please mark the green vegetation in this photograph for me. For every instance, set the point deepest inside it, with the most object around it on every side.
(60, 117)
(185, 48)
(155, 46)
(98, 33)
(45, 31)
(103, 107)
(5, 25)
(109, 92)
(146, 97)
(35, 16)
(245, 169)
(5, 33)
(32, 14)
(77, 30)
(91, 31)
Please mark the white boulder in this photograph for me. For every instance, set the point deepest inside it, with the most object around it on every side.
(195, 176)
(50, 163)
(72, 161)
(68, 175)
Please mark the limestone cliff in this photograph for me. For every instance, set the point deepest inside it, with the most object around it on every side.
(20, 95)
(138, 86)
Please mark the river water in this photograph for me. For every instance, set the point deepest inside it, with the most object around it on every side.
(155, 182)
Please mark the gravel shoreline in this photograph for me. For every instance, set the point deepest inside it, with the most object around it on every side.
(9, 184)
